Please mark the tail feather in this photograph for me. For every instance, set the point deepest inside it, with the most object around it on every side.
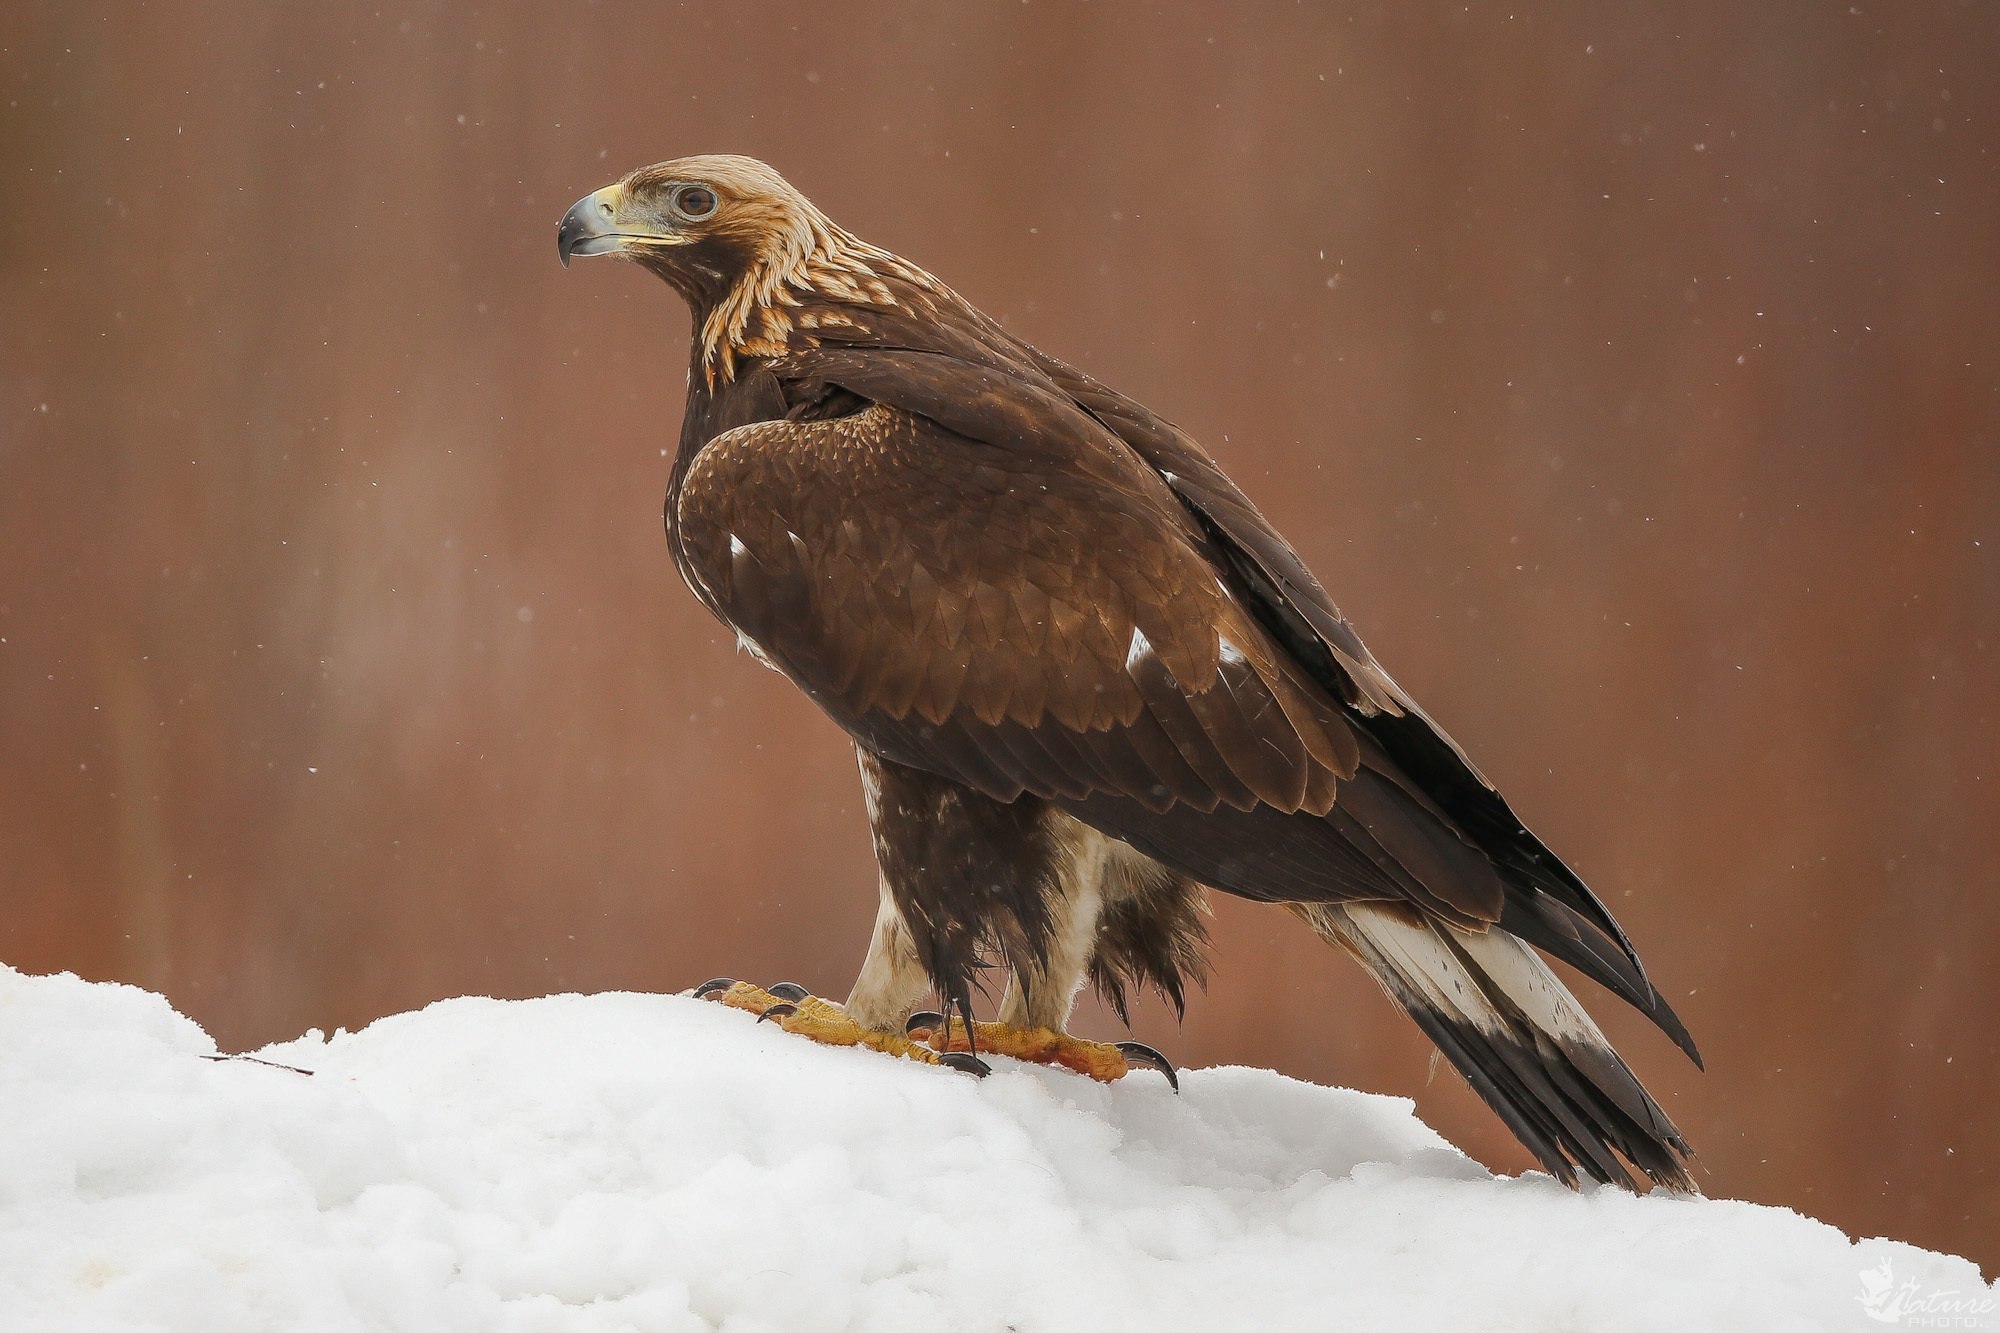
(1510, 1026)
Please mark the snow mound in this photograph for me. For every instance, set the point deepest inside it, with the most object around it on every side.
(626, 1162)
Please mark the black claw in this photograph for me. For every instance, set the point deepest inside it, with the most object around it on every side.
(711, 987)
(1139, 1053)
(965, 1062)
(923, 1018)
(778, 1011)
(789, 990)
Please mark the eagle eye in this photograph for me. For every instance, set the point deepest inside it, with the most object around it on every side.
(693, 202)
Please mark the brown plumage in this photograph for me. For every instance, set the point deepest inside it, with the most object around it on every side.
(1085, 677)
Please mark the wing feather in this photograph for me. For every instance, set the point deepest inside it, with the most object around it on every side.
(1138, 676)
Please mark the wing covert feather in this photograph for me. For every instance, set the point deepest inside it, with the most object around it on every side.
(933, 594)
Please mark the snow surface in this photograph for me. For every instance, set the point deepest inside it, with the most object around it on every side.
(644, 1162)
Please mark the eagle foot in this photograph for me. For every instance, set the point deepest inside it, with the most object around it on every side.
(792, 1008)
(1104, 1061)
(931, 1039)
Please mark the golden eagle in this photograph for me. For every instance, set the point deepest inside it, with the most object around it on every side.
(1085, 679)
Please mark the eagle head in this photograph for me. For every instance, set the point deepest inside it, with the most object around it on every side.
(740, 245)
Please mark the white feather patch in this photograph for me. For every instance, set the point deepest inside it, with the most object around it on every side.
(1422, 962)
(746, 644)
(1140, 649)
(1519, 973)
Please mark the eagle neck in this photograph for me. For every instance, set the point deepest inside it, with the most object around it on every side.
(804, 258)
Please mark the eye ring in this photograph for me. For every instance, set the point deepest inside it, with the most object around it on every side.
(693, 203)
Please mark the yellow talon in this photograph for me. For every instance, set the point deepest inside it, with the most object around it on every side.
(822, 1020)
(828, 1024)
(1042, 1046)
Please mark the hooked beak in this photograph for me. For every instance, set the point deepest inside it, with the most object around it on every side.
(591, 226)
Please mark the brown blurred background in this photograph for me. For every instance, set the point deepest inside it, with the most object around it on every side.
(1630, 373)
